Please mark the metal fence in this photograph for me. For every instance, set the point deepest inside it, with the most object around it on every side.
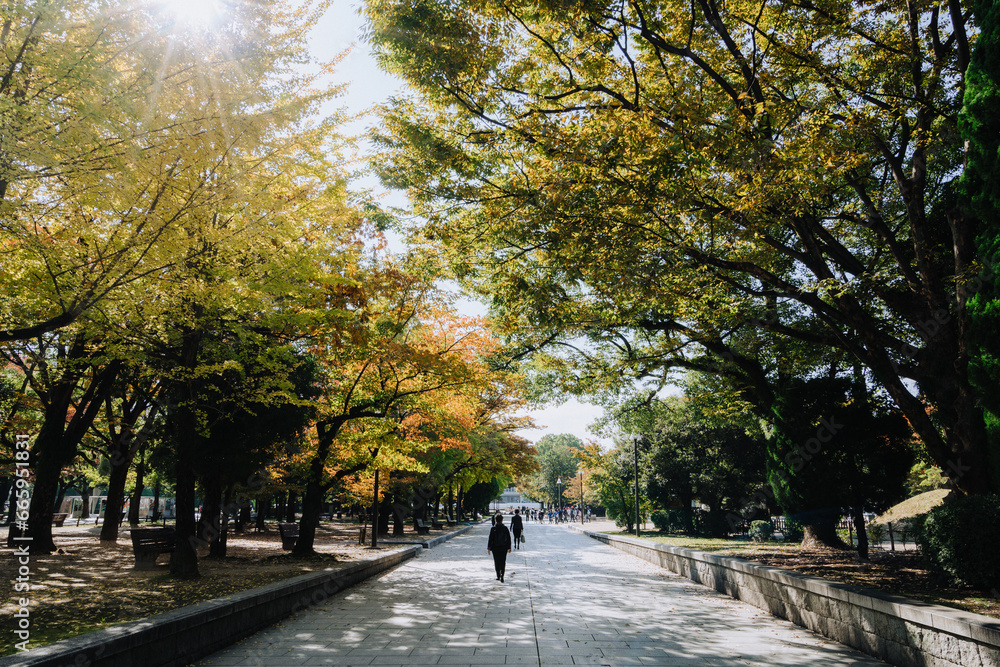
(893, 536)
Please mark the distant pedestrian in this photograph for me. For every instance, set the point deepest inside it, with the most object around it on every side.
(517, 527)
(499, 545)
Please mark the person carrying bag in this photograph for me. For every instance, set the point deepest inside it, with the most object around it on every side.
(499, 546)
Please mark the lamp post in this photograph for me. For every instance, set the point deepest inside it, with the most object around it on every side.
(375, 513)
(581, 497)
(635, 458)
(559, 488)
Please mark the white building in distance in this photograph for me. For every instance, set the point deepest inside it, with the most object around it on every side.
(511, 500)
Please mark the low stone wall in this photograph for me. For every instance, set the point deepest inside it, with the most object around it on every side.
(434, 541)
(898, 630)
(183, 635)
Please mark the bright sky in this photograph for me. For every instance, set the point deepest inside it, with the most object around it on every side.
(368, 85)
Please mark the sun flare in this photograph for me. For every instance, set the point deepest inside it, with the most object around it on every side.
(194, 12)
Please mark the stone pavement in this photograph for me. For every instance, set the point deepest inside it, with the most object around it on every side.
(567, 600)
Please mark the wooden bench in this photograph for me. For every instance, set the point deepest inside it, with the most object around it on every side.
(289, 535)
(421, 528)
(437, 525)
(451, 522)
(59, 519)
(148, 543)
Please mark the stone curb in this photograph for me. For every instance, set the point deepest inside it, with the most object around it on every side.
(432, 542)
(898, 630)
(180, 636)
(440, 539)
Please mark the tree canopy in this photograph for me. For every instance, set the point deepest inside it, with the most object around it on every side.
(184, 262)
(658, 185)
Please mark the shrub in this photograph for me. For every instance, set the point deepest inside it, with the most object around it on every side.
(761, 531)
(661, 520)
(876, 533)
(960, 538)
(901, 530)
(710, 522)
(668, 521)
(793, 532)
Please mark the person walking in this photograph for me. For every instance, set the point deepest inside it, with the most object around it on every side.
(517, 527)
(499, 546)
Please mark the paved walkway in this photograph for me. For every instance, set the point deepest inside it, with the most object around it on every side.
(567, 600)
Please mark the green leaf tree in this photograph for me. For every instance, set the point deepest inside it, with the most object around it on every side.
(980, 191)
(556, 460)
(679, 183)
(689, 456)
(613, 476)
(834, 449)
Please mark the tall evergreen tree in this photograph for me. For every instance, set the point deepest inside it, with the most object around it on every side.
(979, 123)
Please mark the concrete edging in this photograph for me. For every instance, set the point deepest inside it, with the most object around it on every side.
(428, 543)
(440, 539)
(898, 630)
(178, 637)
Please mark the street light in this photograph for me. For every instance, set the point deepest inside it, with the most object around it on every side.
(635, 456)
(559, 487)
(375, 512)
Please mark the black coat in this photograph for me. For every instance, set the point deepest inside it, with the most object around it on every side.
(499, 539)
(516, 526)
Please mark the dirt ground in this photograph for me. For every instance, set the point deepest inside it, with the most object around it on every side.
(900, 572)
(87, 585)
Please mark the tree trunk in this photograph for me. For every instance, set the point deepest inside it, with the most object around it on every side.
(85, 501)
(398, 523)
(135, 505)
(821, 533)
(628, 512)
(263, 510)
(243, 518)
(208, 525)
(140, 486)
(57, 441)
(312, 507)
(7, 490)
(858, 516)
(290, 508)
(384, 510)
(686, 496)
(963, 452)
(312, 500)
(155, 509)
(60, 497)
(184, 559)
(116, 499)
(49, 463)
(124, 448)
(279, 505)
(218, 547)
